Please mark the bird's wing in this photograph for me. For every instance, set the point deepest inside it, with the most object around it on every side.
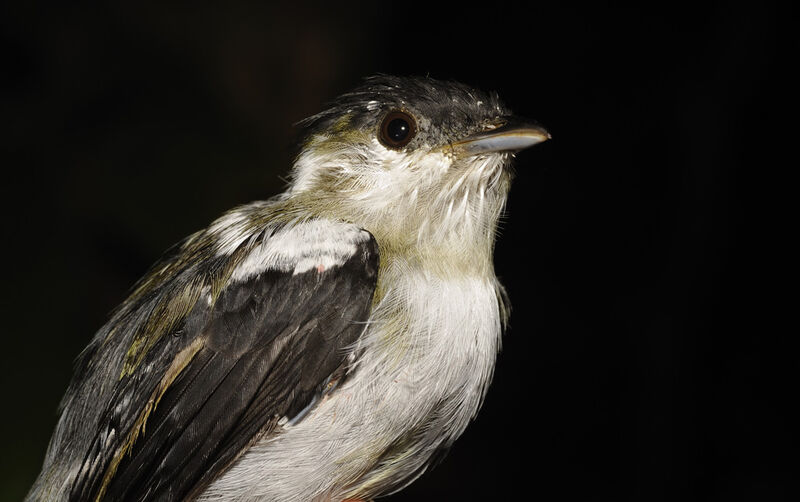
(265, 346)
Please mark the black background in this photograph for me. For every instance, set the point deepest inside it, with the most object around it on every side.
(644, 248)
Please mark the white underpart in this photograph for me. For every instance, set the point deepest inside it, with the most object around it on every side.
(320, 244)
(431, 373)
(429, 347)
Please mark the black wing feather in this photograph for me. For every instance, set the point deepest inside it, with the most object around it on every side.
(271, 344)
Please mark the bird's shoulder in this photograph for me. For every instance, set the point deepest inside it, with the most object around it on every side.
(252, 244)
(242, 324)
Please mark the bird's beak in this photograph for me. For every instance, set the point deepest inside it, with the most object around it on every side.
(508, 135)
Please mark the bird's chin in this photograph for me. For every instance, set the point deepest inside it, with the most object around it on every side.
(486, 170)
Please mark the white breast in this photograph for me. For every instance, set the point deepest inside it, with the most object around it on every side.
(427, 355)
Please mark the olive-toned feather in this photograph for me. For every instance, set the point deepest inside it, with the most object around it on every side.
(208, 373)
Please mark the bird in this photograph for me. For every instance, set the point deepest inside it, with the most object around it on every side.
(327, 344)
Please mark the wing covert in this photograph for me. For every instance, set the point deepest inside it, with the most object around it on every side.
(264, 349)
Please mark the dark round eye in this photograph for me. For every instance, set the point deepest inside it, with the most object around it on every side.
(397, 129)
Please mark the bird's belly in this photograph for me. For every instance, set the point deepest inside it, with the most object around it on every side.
(419, 380)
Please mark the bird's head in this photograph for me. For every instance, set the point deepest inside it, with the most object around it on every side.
(412, 160)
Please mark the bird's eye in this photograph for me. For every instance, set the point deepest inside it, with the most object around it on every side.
(397, 129)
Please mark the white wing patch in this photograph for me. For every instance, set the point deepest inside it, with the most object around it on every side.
(315, 244)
